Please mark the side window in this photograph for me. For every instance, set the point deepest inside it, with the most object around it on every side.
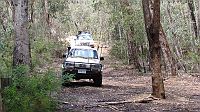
(95, 54)
(71, 53)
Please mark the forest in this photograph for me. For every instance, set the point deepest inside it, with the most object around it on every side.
(152, 55)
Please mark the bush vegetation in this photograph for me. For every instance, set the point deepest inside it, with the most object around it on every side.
(31, 92)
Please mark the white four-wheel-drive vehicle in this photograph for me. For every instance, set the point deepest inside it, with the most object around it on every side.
(84, 63)
(82, 39)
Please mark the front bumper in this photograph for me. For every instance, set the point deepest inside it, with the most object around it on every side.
(92, 45)
(89, 74)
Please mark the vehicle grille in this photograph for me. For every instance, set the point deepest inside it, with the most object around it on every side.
(81, 65)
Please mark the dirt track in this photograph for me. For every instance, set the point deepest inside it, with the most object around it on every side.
(123, 84)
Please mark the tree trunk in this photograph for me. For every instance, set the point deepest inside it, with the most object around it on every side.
(167, 54)
(143, 60)
(193, 19)
(31, 10)
(46, 19)
(2, 20)
(134, 51)
(1, 99)
(46, 12)
(21, 53)
(198, 16)
(152, 25)
(166, 51)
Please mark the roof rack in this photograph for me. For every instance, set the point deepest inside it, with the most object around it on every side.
(83, 32)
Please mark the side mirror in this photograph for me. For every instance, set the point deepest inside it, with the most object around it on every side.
(64, 55)
(101, 58)
(68, 49)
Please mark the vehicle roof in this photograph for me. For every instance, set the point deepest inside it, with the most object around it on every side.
(82, 47)
(84, 34)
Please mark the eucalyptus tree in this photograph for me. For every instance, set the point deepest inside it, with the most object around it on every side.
(21, 53)
(152, 25)
(193, 18)
(198, 20)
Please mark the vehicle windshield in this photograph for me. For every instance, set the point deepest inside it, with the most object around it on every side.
(84, 37)
(83, 53)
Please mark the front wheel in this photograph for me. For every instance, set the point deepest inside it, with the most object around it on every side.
(98, 81)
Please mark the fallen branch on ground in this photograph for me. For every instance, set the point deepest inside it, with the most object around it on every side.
(63, 102)
(106, 104)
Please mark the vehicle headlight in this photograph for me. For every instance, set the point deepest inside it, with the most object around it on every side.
(69, 64)
(96, 67)
(87, 65)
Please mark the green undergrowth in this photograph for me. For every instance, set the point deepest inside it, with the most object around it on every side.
(31, 92)
(67, 78)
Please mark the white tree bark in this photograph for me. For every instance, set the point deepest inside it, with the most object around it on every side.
(21, 54)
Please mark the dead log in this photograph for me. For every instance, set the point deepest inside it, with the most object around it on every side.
(111, 104)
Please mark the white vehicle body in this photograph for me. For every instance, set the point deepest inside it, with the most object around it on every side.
(83, 39)
(84, 60)
(84, 63)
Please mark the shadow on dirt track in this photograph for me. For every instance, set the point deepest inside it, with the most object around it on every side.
(78, 84)
(87, 83)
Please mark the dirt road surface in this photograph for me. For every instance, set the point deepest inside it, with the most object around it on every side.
(124, 90)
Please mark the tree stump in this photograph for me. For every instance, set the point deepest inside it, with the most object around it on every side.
(1, 103)
(4, 82)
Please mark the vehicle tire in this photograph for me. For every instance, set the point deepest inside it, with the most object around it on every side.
(98, 81)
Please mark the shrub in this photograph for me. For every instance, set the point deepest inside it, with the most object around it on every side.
(118, 50)
(67, 78)
(31, 93)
